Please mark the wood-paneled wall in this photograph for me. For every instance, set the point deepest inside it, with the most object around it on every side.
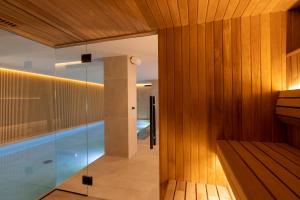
(32, 104)
(293, 82)
(218, 80)
(293, 30)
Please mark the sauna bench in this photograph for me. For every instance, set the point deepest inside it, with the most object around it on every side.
(257, 170)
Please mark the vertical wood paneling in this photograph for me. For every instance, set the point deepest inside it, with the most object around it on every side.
(236, 78)
(276, 63)
(203, 118)
(218, 108)
(247, 120)
(256, 76)
(293, 82)
(194, 102)
(163, 122)
(266, 76)
(186, 102)
(171, 103)
(27, 104)
(223, 86)
(209, 55)
(179, 104)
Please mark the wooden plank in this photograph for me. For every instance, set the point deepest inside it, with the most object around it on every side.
(163, 89)
(202, 11)
(227, 62)
(146, 12)
(220, 13)
(247, 119)
(186, 103)
(190, 191)
(240, 179)
(184, 12)
(209, 52)
(294, 80)
(203, 114)
(241, 8)
(193, 14)
(180, 190)
(289, 93)
(289, 112)
(233, 4)
(171, 103)
(292, 182)
(276, 63)
(194, 96)
(236, 77)
(289, 102)
(218, 107)
(212, 192)
(266, 77)
(288, 154)
(261, 6)
(164, 9)
(274, 185)
(223, 193)
(153, 6)
(290, 148)
(174, 11)
(179, 104)
(250, 8)
(256, 76)
(211, 10)
(282, 160)
(170, 192)
(201, 192)
(283, 52)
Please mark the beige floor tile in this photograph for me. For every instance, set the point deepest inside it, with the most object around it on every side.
(120, 178)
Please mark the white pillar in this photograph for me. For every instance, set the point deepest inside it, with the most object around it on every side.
(120, 107)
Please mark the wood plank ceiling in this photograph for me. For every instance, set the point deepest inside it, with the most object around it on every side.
(65, 22)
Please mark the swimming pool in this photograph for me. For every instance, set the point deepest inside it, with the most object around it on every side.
(31, 168)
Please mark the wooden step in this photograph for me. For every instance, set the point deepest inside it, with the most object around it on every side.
(182, 190)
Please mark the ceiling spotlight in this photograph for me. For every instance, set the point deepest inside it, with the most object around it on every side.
(135, 60)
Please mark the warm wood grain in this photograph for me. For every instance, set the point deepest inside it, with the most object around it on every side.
(223, 77)
(274, 171)
(182, 190)
(29, 107)
(241, 178)
(293, 31)
(61, 23)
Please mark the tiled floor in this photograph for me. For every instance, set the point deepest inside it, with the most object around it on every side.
(119, 178)
(61, 195)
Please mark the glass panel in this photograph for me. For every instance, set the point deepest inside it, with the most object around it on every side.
(71, 118)
(95, 112)
(27, 149)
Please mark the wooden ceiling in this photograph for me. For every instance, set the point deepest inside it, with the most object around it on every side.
(65, 22)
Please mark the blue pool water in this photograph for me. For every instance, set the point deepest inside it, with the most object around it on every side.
(141, 124)
(31, 168)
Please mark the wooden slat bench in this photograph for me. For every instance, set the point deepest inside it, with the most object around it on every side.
(258, 170)
(181, 190)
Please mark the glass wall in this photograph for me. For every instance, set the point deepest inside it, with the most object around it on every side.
(28, 146)
(51, 112)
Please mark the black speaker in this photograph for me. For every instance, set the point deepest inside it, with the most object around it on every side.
(86, 58)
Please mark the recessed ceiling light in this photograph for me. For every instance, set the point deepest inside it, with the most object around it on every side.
(63, 64)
